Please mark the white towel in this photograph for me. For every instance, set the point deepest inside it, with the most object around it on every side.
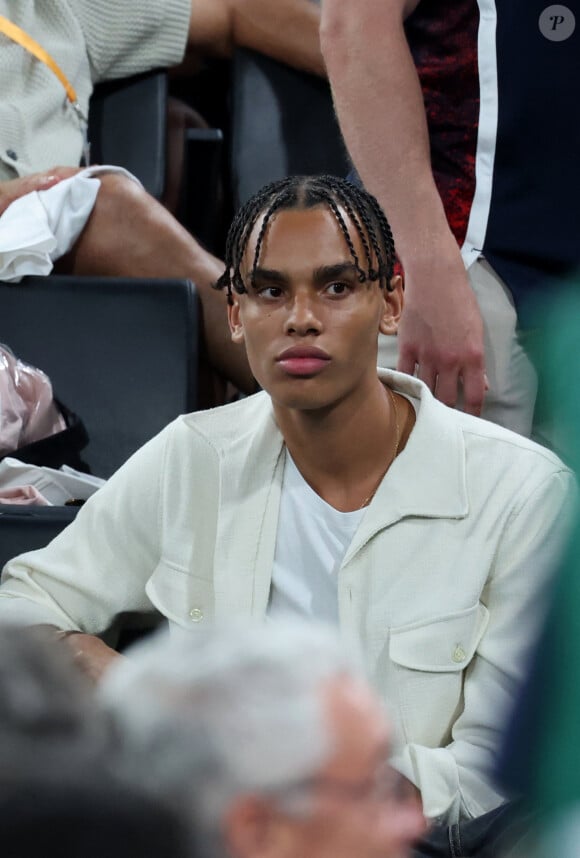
(40, 227)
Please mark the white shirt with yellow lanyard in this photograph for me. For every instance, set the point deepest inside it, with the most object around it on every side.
(40, 227)
(18, 35)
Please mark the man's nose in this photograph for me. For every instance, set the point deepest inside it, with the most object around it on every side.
(303, 317)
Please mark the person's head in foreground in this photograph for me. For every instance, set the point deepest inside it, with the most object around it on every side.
(271, 737)
(47, 708)
(310, 283)
(59, 792)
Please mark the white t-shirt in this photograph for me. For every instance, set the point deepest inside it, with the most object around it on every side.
(311, 542)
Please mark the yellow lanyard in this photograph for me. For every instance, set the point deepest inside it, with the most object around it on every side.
(27, 42)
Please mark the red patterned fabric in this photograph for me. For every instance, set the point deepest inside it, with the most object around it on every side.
(449, 78)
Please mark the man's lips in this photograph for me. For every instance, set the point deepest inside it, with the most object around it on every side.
(303, 360)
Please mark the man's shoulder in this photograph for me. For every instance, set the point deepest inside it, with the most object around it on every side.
(498, 445)
(502, 463)
(506, 443)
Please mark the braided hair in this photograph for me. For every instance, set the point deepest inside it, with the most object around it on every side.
(362, 209)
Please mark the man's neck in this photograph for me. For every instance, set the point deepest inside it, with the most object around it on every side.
(344, 451)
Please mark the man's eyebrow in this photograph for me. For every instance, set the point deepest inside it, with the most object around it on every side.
(320, 275)
(334, 272)
(268, 275)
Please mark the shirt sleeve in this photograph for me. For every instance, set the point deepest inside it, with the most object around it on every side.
(456, 780)
(132, 36)
(99, 565)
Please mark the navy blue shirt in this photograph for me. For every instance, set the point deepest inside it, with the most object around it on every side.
(517, 61)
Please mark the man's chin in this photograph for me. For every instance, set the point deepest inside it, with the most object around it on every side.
(309, 401)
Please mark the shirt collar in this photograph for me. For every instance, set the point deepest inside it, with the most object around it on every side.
(427, 479)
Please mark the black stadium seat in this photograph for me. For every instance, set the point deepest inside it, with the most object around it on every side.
(121, 353)
(283, 124)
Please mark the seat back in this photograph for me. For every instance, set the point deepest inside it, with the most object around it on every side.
(128, 127)
(26, 528)
(283, 124)
(121, 353)
(201, 194)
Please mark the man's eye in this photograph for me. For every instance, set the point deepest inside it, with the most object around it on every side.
(269, 292)
(337, 288)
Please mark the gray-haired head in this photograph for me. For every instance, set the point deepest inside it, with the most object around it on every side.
(231, 711)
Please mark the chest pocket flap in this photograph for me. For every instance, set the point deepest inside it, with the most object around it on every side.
(182, 598)
(443, 644)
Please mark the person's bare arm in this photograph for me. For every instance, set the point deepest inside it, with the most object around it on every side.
(13, 189)
(286, 30)
(90, 654)
(381, 112)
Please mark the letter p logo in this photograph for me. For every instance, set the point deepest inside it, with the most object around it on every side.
(557, 23)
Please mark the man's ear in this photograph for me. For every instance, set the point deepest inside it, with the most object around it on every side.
(393, 306)
(254, 828)
(236, 327)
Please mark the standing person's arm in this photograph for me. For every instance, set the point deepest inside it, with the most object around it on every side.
(381, 112)
(286, 30)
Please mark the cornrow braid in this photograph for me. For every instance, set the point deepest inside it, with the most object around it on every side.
(358, 202)
(344, 229)
(370, 215)
(367, 248)
(278, 203)
(363, 210)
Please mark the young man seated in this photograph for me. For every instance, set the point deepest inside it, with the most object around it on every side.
(336, 493)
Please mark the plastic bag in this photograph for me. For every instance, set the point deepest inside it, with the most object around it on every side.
(27, 410)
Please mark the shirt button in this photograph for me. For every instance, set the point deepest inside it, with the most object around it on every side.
(10, 153)
(196, 615)
(459, 654)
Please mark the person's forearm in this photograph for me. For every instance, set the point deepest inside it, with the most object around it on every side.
(380, 108)
(287, 30)
(90, 654)
(381, 112)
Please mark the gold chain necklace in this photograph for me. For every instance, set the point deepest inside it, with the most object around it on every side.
(369, 498)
